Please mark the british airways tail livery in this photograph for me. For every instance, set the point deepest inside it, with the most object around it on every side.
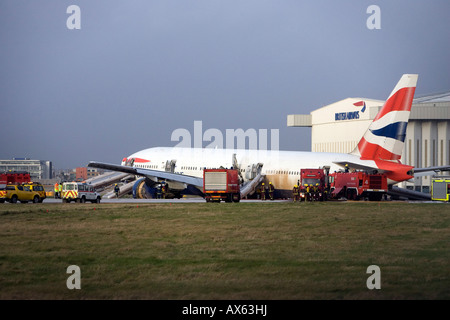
(379, 149)
(384, 138)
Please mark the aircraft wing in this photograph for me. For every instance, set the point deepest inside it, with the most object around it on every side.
(432, 169)
(357, 166)
(169, 176)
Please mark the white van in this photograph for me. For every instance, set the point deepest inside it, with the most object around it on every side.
(79, 192)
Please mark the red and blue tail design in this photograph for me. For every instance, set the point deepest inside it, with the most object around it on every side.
(385, 136)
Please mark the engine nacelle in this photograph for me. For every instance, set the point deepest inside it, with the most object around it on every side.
(144, 189)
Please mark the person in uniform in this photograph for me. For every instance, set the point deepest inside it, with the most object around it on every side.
(116, 190)
(56, 190)
(295, 193)
(263, 191)
(308, 192)
(159, 192)
(163, 189)
(271, 190)
(316, 192)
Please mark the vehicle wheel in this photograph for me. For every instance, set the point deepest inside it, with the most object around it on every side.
(36, 199)
(14, 199)
(98, 200)
(83, 200)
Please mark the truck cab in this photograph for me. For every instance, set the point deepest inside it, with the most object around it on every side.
(312, 184)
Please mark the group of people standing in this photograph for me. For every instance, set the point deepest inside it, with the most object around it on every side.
(312, 193)
(265, 191)
(57, 188)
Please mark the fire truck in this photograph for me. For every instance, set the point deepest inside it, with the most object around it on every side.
(14, 178)
(313, 184)
(221, 184)
(357, 185)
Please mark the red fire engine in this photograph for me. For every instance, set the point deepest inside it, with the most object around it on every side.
(14, 178)
(357, 185)
(221, 184)
(312, 184)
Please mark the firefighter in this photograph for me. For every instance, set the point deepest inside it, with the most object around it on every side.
(56, 190)
(346, 167)
(116, 190)
(60, 190)
(271, 190)
(308, 192)
(159, 191)
(295, 193)
(163, 189)
(316, 192)
(263, 192)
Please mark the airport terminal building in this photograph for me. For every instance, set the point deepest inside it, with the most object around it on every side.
(338, 127)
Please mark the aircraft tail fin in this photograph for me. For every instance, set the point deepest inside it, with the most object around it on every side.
(385, 136)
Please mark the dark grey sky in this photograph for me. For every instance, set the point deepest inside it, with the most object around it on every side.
(137, 70)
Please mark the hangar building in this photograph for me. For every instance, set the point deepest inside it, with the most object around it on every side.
(338, 127)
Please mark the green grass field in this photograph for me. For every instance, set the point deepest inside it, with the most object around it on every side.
(225, 251)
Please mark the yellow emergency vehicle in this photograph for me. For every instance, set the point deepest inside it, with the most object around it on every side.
(440, 188)
(36, 187)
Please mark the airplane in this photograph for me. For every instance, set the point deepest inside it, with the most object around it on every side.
(378, 150)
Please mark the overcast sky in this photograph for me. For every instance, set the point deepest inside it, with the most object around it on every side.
(137, 70)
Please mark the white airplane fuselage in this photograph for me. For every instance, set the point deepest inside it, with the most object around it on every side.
(282, 168)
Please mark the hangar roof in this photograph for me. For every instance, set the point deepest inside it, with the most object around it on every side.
(427, 107)
(437, 97)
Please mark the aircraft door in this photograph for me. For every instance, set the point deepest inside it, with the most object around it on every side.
(170, 166)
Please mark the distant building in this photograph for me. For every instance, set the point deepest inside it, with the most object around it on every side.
(339, 126)
(38, 169)
(83, 173)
